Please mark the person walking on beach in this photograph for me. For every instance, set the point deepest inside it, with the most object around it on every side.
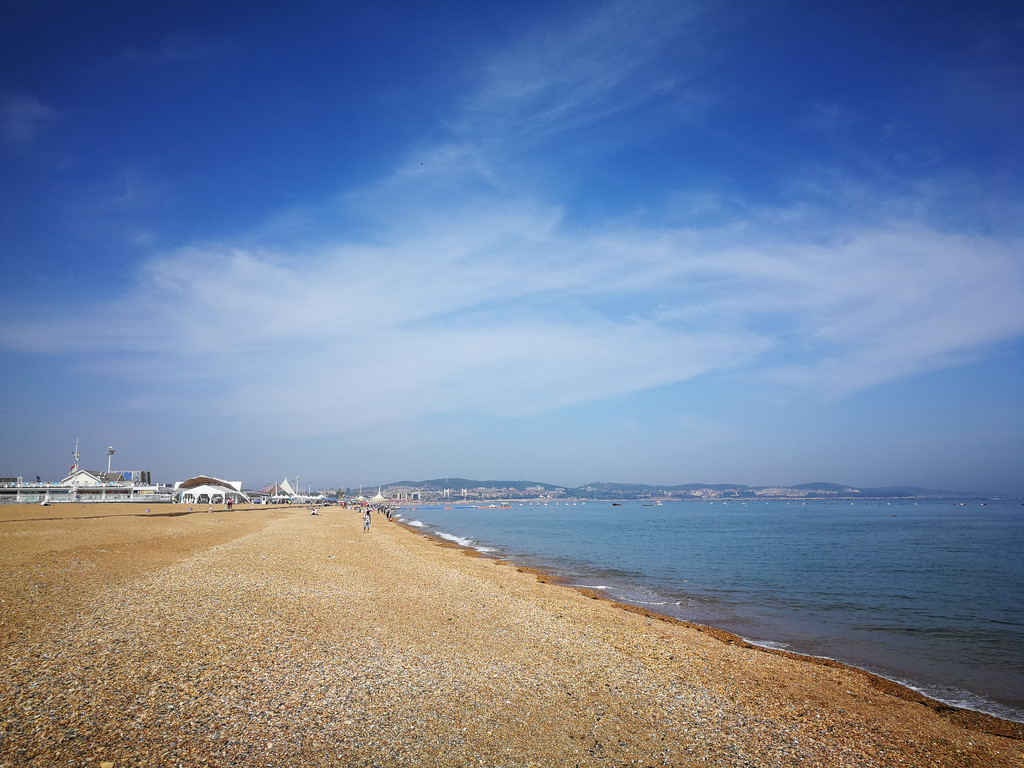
(366, 521)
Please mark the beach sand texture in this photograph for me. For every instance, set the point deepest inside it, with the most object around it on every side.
(271, 637)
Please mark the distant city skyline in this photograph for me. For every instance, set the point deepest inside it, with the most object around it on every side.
(457, 483)
(647, 241)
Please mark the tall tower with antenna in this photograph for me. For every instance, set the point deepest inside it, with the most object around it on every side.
(110, 452)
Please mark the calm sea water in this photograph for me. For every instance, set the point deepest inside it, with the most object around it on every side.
(929, 594)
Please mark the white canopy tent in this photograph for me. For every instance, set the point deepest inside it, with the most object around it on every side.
(209, 490)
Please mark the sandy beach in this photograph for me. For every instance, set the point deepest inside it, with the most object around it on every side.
(270, 637)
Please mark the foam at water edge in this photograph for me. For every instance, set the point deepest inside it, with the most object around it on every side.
(958, 697)
(462, 542)
(773, 646)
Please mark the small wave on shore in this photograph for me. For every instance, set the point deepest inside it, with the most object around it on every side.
(460, 540)
(958, 697)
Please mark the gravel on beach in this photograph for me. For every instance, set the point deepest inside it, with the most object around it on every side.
(272, 637)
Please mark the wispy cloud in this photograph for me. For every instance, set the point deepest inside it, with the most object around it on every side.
(521, 314)
(174, 49)
(22, 117)
(582, 71)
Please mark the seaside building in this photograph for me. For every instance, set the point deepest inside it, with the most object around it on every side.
(85, 485)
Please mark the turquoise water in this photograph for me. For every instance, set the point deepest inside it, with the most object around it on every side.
(929, 594)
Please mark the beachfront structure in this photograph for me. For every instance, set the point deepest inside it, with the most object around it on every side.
(208, 490)
(84, 485)
(279, 493)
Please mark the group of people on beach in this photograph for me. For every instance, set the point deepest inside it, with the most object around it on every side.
(367, 515)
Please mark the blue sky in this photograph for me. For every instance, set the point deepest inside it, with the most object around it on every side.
(663, 242)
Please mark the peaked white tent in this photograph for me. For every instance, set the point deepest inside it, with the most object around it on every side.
(209, 490)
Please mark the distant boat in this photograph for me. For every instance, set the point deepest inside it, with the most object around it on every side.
(616, 504)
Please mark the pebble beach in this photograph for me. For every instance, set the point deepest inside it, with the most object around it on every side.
(272, 637)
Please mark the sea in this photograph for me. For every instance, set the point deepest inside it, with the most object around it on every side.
(927, 593)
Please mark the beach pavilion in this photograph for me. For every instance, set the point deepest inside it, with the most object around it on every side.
(280, 493)
(208, 490)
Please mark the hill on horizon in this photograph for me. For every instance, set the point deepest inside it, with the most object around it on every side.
(618, 489)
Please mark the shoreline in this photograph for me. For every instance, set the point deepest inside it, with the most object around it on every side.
(273, 637)
(963, 716)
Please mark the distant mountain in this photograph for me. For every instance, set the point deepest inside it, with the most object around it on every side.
(821, 487)
(615, 487)
(637, 490)
(637, 487)
(712, 486)
(461, 483)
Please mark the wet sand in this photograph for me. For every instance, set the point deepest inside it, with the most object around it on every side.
(273, 637)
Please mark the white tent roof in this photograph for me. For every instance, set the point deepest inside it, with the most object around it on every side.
(213, 490)
(201, 480)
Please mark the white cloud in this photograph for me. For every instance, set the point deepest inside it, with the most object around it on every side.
(503, 315)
